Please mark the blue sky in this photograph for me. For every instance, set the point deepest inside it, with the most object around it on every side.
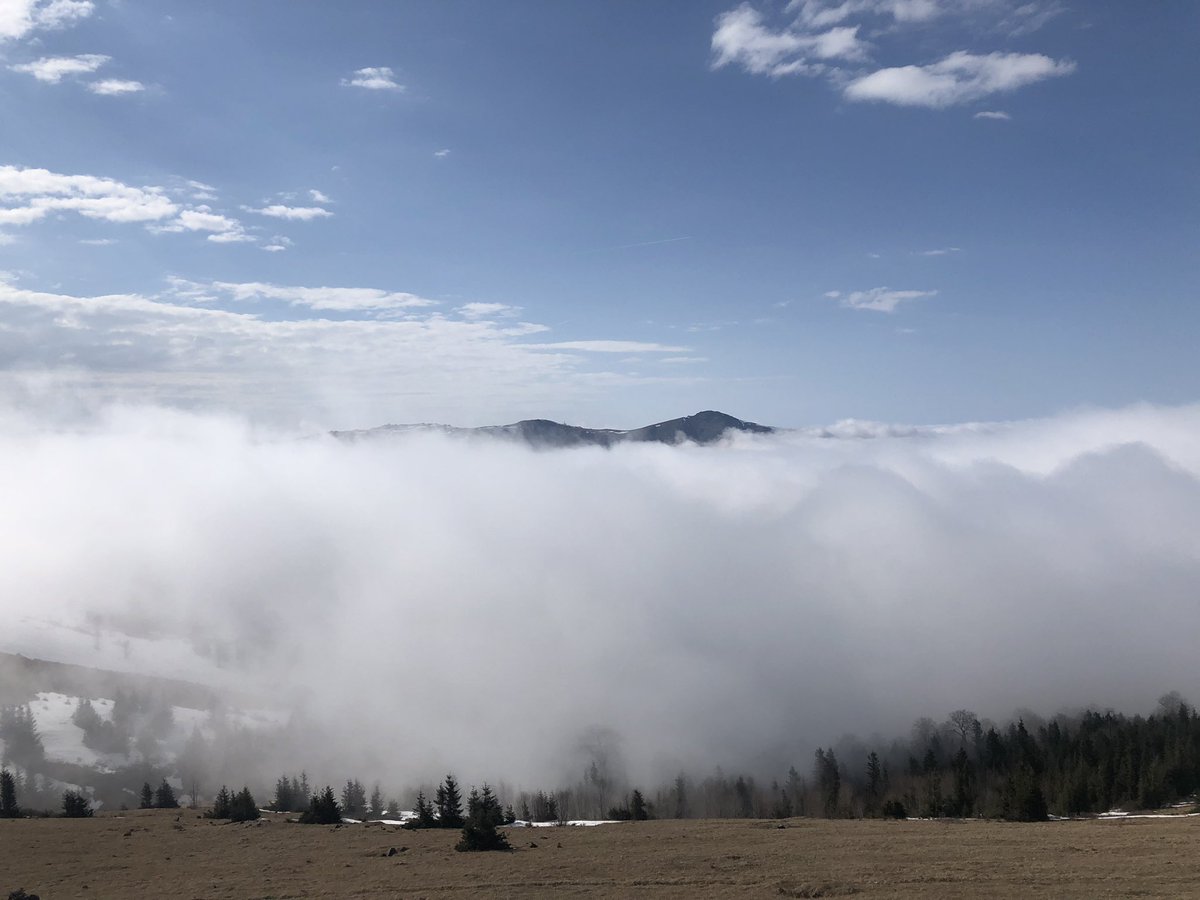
(606, 213)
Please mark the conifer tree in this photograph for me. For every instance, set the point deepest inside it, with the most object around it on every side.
(222, 805)
(243, 808)
(323, 810)
(8, 796)
(449, 804)
(484, 815)
(874, 784)
(164, 797)
(76, 806)
(637, 806)
(147, 797)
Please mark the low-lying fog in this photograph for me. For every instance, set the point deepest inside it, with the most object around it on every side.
(474, 605)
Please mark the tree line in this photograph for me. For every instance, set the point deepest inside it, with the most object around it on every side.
(1027, 769)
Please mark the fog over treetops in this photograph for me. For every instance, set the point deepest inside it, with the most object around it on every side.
(476, 605)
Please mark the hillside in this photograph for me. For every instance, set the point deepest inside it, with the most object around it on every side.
(702, 428)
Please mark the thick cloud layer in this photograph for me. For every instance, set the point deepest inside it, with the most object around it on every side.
(477, 605)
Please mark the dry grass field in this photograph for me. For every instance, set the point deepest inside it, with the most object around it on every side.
(169, 854)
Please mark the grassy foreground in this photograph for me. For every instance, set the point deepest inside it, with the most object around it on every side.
(169, 853)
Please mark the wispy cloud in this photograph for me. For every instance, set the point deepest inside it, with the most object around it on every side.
(348, 354)
(319, 197)
(52, 69)
(612, 347)
(486, 310)
(292, 213)
(374, 78)
(992, 114)
(442, 153)
(116, 87)
(742, 38)
(19, 18)
(653, 243)
(959, 78)
(277, 244)
(940, 251)
(880, 299)
(321, 298)
(821, 39)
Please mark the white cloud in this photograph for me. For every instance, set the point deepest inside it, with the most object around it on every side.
(743, 39)
(486, 310)
(224, 229)
(339, 299)
(7, 239)
(22, 215)
(292, 213)
(959, 78)
(1006, 16)
(880, 299)
(443, 153)
(992, 114)
(98, 242)
(277, 244)
(318, 197)
(52, 69)
(201, 191)
(20, 17)
(40, 191)
(374, 78)
(823, 13)
(612, 347)
(115, 87)
(347, 356)
(822, 40)
(941, 251)
(683, 360)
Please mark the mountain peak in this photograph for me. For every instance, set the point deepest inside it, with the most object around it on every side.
(705, 427)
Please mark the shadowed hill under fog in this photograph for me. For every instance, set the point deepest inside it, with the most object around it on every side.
(702, 428)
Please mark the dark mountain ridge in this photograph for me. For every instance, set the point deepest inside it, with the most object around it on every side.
(705, 427)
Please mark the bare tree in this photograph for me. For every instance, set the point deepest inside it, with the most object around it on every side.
(962, 723)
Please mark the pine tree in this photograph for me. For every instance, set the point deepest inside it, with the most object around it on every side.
(829, 779)
(964, 784)
(874, 784)
(376, 801)
(354, 799)
(479, 831)
(449, 804)
(76, 806)
(8, 796)
(424, 814)
(164, 797)
(637, 806)
(22, 741)
(681, 808)
(222, 806)
(147, 797)
(323, 810)
(243, 808)
(285, 796)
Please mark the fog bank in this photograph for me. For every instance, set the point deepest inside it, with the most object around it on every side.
(475, 605)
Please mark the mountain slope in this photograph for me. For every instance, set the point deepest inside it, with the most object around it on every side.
(705, 427)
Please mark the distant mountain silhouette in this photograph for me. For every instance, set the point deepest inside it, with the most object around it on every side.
(702, 428)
